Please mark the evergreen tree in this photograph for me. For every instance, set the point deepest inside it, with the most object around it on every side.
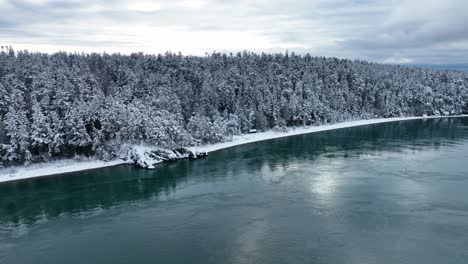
(17, 127)
(63, 105)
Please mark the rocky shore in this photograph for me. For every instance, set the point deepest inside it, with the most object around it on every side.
(149, 158)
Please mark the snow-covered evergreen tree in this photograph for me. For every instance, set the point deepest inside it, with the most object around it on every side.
(63, 105)
(41, 134)
(18, 133)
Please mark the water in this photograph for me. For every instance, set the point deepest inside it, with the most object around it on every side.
(387, 193)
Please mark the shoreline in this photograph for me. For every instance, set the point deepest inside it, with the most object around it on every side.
(261, 136)
(69, 166)
(53, 168)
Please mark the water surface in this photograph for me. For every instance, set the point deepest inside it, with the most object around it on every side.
(385, 193)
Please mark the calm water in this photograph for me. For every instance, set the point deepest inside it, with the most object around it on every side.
(388, 193)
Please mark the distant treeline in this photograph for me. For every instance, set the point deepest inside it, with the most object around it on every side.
(63, 105)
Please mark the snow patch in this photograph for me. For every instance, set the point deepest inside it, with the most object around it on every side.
(148, 157)
(54, 167)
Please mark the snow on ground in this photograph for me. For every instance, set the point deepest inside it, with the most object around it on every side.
(249, 138)
(65, 166)
(51, 168)
(141, 153)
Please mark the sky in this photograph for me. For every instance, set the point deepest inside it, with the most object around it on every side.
(388, 31)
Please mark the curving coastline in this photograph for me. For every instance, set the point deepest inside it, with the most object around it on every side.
(68, 166)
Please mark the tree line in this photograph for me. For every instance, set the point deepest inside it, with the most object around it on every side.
(64, 105)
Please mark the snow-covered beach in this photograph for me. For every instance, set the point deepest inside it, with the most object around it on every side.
(67, 166)
(250, 138)
(51, 168)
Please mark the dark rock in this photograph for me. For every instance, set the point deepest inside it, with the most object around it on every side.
(150, 158)
(202, 154)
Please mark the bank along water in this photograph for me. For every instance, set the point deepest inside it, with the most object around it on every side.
(384, 193)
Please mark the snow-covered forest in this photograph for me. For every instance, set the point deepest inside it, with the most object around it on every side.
(63, 105)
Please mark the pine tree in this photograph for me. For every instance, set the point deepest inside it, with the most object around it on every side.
(62, 105)
(41, 134)
(17, 127)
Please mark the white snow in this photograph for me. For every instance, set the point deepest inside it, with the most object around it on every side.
(51, 168)
(65, 166)
(249, 138)
(141, 153)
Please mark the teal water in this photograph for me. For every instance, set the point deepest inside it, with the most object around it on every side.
(386, 193)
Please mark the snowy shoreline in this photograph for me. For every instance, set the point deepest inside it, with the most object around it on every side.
(68, 166)
(52, 168)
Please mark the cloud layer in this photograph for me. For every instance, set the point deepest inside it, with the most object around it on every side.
(394, 31)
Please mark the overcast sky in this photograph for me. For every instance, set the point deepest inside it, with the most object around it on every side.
(394, 31)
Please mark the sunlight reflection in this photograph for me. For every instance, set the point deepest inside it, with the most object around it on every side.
(326, 182)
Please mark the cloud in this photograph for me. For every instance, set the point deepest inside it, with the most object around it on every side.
(392, 31)
(428, 31)
(144, 6)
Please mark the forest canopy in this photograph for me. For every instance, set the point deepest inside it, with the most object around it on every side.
(68, 104)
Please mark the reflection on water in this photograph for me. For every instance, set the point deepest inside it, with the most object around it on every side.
(327, 180)
(387, 193)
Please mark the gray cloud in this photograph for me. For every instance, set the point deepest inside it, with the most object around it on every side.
(397, 31)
